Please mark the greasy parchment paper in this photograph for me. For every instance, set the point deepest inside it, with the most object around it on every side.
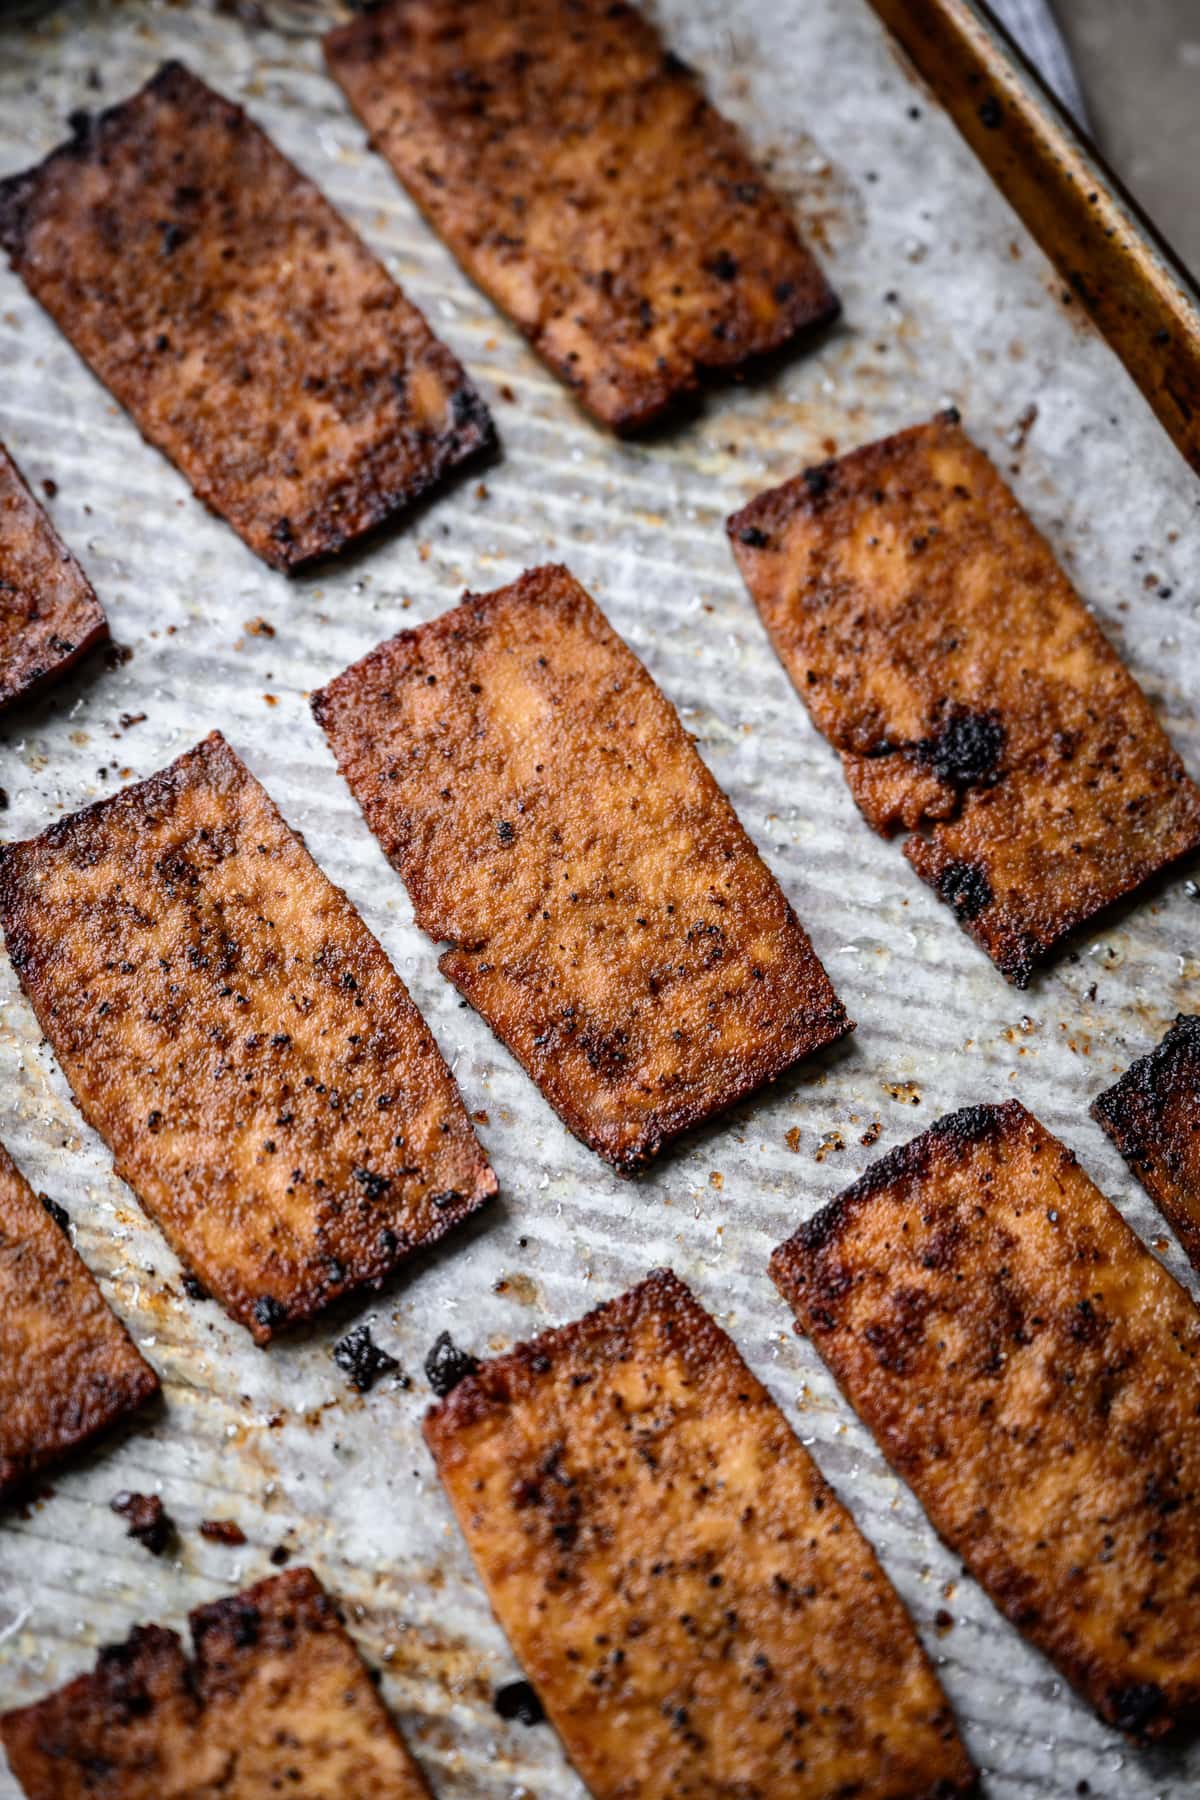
(947, 299)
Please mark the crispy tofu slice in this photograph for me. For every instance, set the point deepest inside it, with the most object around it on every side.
(697, 1610)
(49, 616)
(973, 699)
(68, 1368)
(605, 911)
(576, 170)
(1033, 1373)
(1152, 1115)
(277, 1701)
(239, 1039)
(245, 327)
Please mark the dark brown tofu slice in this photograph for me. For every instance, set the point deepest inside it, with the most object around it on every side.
(235, 315)
(239, 1039)
(49, 616)
(1152, 1115)
(973, 699)
(1033, 1373)
(576, 170)
(68, 1368)
(277, 1701)
(696, 1609)
(605, 911)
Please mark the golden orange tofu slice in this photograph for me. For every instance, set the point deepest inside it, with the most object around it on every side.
(1152, 1115)
(697, 1610)
(239, 1039)
(576, 170)
(68, 1368)
(49, 615)
(1033, 1373)
(605, 911)
(973, 699)
(277, 1701)
(235, 315)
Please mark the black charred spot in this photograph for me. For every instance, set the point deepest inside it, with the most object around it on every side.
(966, 748)
(59, 1214)
(172, 236)
(269, 1312)
(193, 1287)
(991, 113)
(361, 1360)
(282, 531)
(374, 1186)
(470, 414)
(447, 1365)
(505, 831)
(724, 266)
(753, 538)
(1135, 1708)
(818, 480)
(445, 1199)
(518, 1700)
(966, 888)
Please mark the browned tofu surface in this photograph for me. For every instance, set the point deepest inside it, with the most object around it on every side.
(696, 1609)
(575, 168)
(973, 699)
(605, 911)
(247, 329)
(276, 1702)
(49, 616)
(1152, 1115)
(239, 1039)
(68, 1368)
(1033, 1373)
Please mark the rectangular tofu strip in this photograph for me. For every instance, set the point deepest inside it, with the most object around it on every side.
(576, 170)
(49, 616)
(1152, 1115)
(973, 699)
(696, 1609)
(235, 315)
(605, 911)
(1033, 1373)
(277, 1701)
(239, 1039)
(68, 1367)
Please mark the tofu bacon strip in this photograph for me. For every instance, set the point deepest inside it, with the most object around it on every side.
(68, 1368)
(1033, 1373)
(696, 1609)
(239, 1039)
(277, 1701)
(49, 616)
(1152, 1115)
(576, 170)
(971, 696)
(604, 909)
(235, 315)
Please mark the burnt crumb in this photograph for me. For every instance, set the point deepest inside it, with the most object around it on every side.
(966, 888)
(505, 831)
(3, 799)
(117, 655)
(447, 1365)
(965, 750)
(518, 1700)
(724, 266)
(222, 1531)
(991, 113)
(470, 414)
(374, 1186)
(147, 1520)
(280, 1556)
(50, 487)
(59, 1214)
(1135, 1708)
(818, 480)
(446, 1199)
(751, 536)
(361, 1360)
(193, 1287)
(951, 415)
(269, 1312)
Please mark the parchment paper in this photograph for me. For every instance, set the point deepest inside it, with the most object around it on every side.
(947, 299)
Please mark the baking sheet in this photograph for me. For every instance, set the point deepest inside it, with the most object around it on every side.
(947, 299)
